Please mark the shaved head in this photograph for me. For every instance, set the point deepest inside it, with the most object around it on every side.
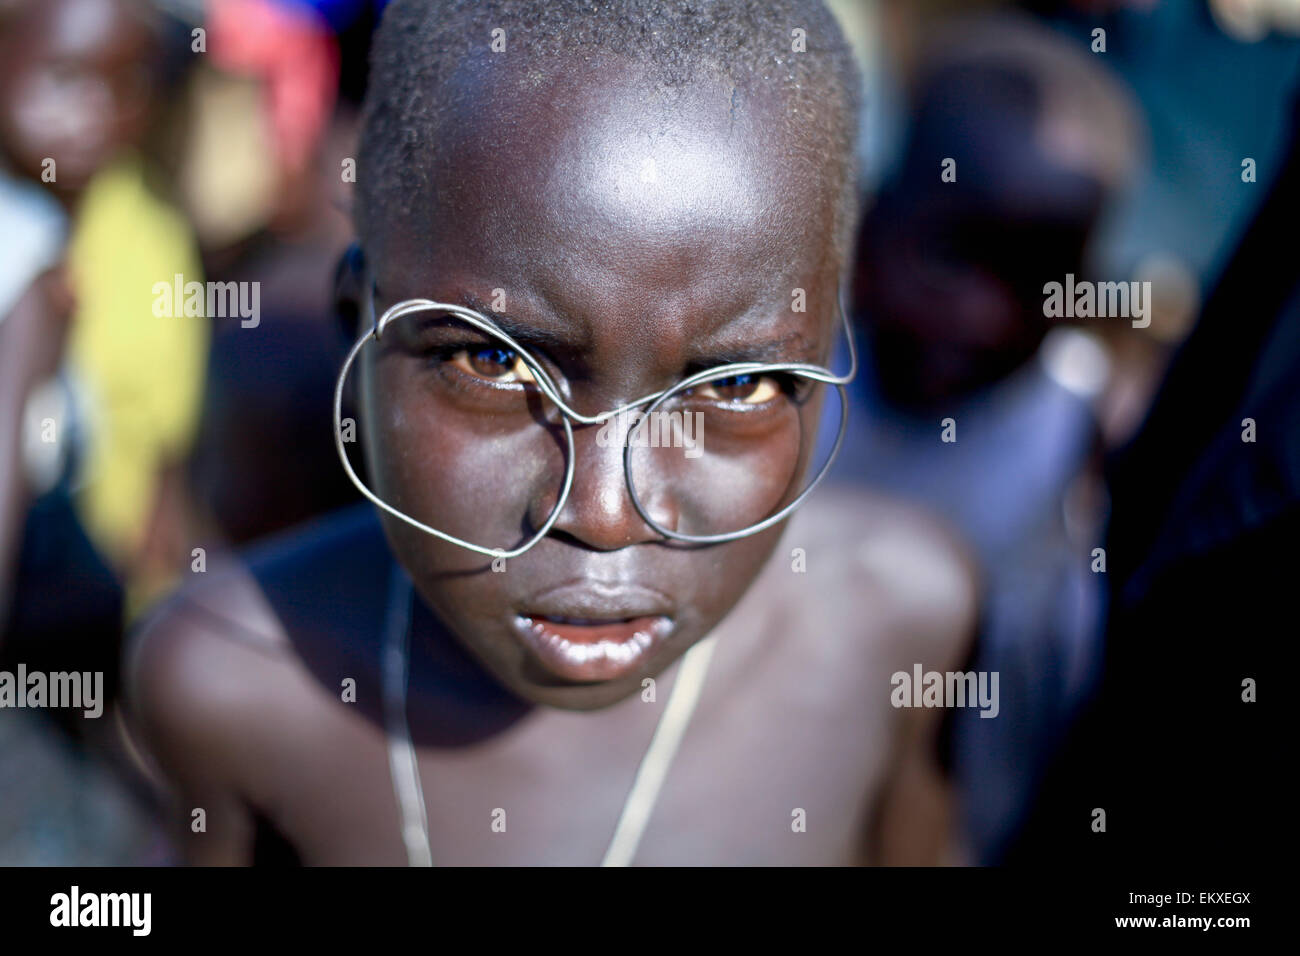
(437, 81)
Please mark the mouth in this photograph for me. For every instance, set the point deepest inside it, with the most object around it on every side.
(586, 634)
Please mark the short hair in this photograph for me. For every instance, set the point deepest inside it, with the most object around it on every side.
(420, 43)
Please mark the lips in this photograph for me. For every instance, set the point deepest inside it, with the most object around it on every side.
(588, 631)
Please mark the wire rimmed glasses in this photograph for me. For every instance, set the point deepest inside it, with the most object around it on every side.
(720, 455)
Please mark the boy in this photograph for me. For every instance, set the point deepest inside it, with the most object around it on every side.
(640, 193)
(79, 90)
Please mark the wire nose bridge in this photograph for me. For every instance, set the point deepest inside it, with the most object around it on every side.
(601, 511)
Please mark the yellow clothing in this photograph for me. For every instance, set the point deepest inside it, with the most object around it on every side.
(142, 374)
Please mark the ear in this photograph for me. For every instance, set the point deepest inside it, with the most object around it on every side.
(349, 290)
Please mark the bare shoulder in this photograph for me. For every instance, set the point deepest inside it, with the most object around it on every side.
(892, 563)
(237, 661)
(196, 672)
(209, 676)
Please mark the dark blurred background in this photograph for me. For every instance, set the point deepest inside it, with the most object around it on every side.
(214, 141)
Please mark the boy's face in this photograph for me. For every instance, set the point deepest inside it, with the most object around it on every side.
(645, 240)
(75, 85)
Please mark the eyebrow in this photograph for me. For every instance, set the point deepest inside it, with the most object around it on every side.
(792, 347)
(522, 332)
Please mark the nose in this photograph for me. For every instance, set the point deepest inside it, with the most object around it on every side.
(599, 511)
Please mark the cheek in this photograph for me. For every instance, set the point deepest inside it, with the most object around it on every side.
(821, 413)
(26, 135)
(50, 112)
(445, 469)
(713, 580)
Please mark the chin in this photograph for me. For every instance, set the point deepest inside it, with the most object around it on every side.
(581, 697)
(530, 679)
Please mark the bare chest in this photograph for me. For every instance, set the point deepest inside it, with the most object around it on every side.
(779, 765)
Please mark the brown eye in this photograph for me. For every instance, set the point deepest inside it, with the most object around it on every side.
(498, 365)
(744, 389)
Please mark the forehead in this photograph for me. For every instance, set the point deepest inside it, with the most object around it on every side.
(590, 184)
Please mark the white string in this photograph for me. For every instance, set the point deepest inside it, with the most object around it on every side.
(659, 755)
(401, 753)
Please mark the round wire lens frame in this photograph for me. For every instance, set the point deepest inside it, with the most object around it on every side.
(798, 369)
(410, 307)
(568, 415)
